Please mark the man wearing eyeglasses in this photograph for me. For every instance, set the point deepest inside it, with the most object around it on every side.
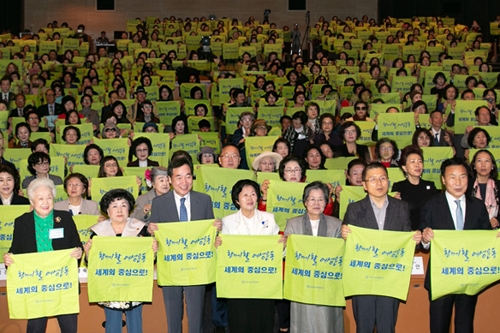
(229, 157)
(377, 211)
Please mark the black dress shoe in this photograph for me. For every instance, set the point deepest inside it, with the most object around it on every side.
(220, 329)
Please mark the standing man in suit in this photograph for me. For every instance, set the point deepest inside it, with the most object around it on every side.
(377, 211)
(441, 137)
(182, 204)
(447, 211)
(18, 111)
(5, 84)
(51, 108)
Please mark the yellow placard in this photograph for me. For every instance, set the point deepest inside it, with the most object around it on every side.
(186, 254)
(42, 284)
(121, 269)
(284, 200)
(249, 267)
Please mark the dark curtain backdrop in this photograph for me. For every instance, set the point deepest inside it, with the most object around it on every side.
(11, 15)
(464, 11)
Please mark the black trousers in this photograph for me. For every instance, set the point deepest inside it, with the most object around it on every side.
(375, 311)
(442, 308)
(250, 315)
(67, 324)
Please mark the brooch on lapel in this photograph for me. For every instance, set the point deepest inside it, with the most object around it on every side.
(57, 219)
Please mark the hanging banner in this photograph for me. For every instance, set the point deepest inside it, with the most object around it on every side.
(463, 262)
(250, 267)
(186, 255)
(42, 284)
(378, 262)
(313, 270)
(121, 269)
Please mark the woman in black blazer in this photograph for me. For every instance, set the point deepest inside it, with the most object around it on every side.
(41, 193)
(9, 186)
(484, 184)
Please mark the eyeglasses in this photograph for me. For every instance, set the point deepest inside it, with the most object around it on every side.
(296, 170)
(75, 184)
(228, 156)
(144, 150)
(386, 148)
(350, 131)
(110, 165)
(373, 180)
(361, 108)
(110, 130)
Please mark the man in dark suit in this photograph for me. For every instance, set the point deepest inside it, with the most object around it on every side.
(51, 108)
(447, 211)
(182, 204)
(5, 84)
(19, 110)
(441, 137)
(382, 212)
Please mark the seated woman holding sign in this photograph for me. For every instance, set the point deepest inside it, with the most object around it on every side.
(310, 317)
(76, 186)
(116, 204)
(159, 184)
(249, 315)
(42, 230)
(39, 167)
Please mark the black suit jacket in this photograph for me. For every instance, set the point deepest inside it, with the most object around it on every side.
(436, 215)
(397, 216)
(17, 200)
(24, 239)
(136, 163)
(14, 113)
(43, 110)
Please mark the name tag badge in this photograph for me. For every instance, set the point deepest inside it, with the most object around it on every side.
(56, 233)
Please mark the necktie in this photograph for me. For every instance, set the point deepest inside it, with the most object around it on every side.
(183, 216)
(51, 110)
(436, 139)
(460, 216)
(5, 97)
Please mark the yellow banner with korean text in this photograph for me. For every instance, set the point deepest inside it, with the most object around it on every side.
(284, 200)
(42, 284)
(250, 267)
(378, 262)
(255, 145)
(121, 269)
(218, 185)
(186, 255)
(397, 126)
(463, 262)
(313, 270)
(7, 216)
(101, 186)
(433, 158)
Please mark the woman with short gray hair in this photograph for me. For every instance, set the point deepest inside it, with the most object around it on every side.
(159, 184)
(42, 230)
(309, 317)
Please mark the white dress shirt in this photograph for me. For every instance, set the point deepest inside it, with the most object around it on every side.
(453, 207)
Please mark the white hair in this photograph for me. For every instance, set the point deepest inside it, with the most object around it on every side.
(38, 183)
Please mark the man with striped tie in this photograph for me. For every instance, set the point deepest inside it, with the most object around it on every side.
(182, 204)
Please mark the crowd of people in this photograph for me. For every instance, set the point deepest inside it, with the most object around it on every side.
(320, 103)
